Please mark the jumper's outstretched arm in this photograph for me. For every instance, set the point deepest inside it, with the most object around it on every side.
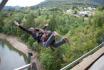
(21, 27)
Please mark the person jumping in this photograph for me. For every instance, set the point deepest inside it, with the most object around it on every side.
(44, 36)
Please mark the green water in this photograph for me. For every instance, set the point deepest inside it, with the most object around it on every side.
(10, 58)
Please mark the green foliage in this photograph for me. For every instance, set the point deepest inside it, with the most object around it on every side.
(99, 19)
(52, 60)
(83, 35)
(66, 4)
(101, 8)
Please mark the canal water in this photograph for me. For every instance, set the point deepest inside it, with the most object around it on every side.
(10, 58)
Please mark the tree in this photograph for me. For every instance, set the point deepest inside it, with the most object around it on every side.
(2, 4)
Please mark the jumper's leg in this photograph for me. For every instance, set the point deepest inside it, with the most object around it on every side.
(60, 42)
(49, 41)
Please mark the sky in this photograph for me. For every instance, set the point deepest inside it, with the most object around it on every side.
(23, 3)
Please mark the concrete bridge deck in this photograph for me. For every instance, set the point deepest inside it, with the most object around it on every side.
(87, 62)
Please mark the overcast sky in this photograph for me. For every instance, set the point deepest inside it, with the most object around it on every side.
(23, 3)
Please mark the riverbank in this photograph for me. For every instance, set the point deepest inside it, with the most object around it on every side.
(22, 47)
(16, 43)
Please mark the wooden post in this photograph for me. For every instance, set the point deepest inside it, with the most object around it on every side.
(29, 58)
(33, 67)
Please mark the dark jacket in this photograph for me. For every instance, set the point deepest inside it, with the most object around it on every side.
(32, 33)
(36, 35)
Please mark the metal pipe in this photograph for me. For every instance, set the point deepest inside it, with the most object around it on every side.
(23, 67)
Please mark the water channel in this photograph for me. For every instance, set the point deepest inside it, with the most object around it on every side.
(10, 58)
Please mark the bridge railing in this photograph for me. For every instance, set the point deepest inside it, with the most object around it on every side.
(30, 66)
(69, 66)
(23, 67)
